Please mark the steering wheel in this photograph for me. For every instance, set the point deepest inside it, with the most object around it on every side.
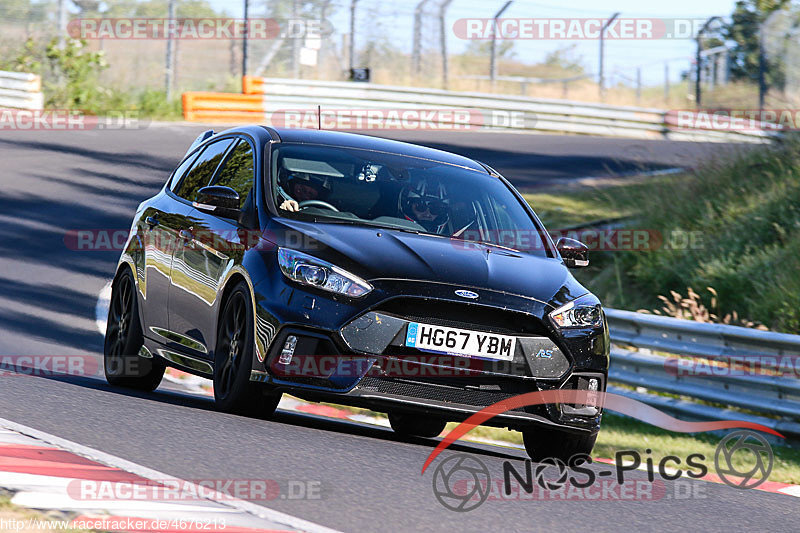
(318, 203)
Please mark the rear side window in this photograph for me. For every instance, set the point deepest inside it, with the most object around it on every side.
(202, 170)
(237, 171)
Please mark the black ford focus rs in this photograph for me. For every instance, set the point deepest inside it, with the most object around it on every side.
(362, 271)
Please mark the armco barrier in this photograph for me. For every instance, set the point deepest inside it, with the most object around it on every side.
(20, 90)
(540, 114)
(222, 107)
(774, 395)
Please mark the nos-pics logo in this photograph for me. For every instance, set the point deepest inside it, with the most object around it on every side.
(462, 482)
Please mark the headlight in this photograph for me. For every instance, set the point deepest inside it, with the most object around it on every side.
(584, 312)
(309, 270)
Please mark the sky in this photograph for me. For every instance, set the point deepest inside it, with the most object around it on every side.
(396, 19)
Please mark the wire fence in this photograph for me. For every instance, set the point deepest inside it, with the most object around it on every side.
(417, 44)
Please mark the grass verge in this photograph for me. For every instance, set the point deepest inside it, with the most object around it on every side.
(28, 520)
(733, 225)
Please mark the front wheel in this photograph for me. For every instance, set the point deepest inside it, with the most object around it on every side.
(121, 360)
(544, 442)
(233, 357)
(414, 426)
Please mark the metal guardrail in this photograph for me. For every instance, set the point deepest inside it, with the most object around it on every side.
(541, 114)
(20, 90)
(773, 396)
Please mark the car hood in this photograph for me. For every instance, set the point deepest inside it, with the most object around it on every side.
(378, 253)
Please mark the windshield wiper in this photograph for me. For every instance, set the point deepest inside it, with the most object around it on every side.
(493, 245)
(362, 222)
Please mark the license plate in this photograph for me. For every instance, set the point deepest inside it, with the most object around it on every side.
(460, 342)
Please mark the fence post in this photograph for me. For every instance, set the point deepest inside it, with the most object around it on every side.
(601, 79)
(170, 44)
(493, 57)
(62, 22)
(699, 58)
(352, 43)
(416, 47)
(244, 43)
(762, 67)
(443, 40)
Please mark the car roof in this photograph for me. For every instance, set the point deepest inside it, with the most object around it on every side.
(367, 142)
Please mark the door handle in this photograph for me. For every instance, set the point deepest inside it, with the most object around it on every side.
(151, 221)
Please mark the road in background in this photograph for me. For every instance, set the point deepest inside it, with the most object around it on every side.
(53, 182)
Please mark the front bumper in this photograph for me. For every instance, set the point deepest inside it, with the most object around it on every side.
(362, 360)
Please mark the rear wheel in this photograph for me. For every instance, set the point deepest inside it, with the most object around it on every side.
(542, 443)
(233, 390)
(415, 426)
(123, 364)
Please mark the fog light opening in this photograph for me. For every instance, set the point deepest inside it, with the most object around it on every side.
(287, 352)
(591, 396)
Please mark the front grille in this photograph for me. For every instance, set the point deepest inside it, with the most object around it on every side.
(464, 316)
(439, 393)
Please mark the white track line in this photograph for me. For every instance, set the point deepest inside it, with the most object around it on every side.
(143, 471)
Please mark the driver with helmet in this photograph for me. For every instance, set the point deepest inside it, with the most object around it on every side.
(302, 186)
(425, 202)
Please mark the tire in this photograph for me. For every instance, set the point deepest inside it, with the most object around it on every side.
(122, 363)
(414, 426)
(233, 356)
(543, 442)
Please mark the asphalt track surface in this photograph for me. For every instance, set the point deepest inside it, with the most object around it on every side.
(53, 182)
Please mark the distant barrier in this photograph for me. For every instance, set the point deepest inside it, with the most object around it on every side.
(20, 90)
(268, 100)
(222, 107)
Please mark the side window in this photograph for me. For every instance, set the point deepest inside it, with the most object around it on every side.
(181, 170)
(201, 172)
(237, 171)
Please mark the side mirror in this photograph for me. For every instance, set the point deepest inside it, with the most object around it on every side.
(218, 200)
(574, 253)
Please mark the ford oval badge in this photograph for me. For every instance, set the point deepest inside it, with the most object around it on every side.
(467, 294)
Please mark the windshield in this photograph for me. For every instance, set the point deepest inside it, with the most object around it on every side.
(334, 184)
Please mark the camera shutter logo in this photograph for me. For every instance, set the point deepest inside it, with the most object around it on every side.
(547, 464)
(756, 452)
(461, 483)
